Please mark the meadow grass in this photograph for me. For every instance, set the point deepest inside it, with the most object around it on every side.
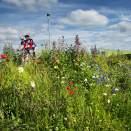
(66, 91)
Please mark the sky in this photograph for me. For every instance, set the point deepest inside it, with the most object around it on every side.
(104, 23)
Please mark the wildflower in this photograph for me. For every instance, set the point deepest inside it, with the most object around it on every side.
(71, 92)
(63, 77)
(65, 118)
(92, 103)
(67, 88)
(108, 85)
(57, 61)
(20, 69)
(105, 94)
(3, 56)
(116, 89)
(53, 115)
(74, 120)
(57, 128)
(62, 82)
(87, 128)
(117, 104)
(100, 120)
(92, 84)
(33, 84)
(97, 76)
(108, 101)
(88, 66)
(108, 79)
(71, 83)
(82, 64)
(85, 80)
(93, 77)
(55, 67)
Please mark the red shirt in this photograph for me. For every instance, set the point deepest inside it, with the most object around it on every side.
(29, 44)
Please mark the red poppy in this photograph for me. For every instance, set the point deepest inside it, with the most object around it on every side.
(3, 56)
(71, 92)
(71, 83)
(67, 88)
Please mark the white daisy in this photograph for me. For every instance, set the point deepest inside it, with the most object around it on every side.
(85, 80)
(63, 77)
(57, 128)
(55, 67)
(33, 84)
(20, 69)
(116, 89)
(105, 94)
(107, 85)
(62, 82)
(65, 118)
(108, 101)
(93, 77)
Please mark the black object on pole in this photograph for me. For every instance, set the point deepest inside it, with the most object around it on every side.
(48, 14)
(48, 17)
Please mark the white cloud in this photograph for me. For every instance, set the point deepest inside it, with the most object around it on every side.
(12, 35)
(31, 4)
(8, 30)
(125, 17)
(112, 38)
(123, 26)
(85, 18)
(8, 33)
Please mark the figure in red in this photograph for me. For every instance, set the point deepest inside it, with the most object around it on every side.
(29, 44)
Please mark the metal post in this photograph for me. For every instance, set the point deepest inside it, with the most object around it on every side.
(48, 17)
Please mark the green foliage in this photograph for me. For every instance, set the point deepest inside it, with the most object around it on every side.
(66, 91)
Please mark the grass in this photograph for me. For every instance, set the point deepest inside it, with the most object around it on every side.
(115, 52)
(66, 91)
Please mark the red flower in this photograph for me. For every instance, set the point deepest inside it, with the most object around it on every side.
(3, 56)
(71, 92)
(71, 83)
(67, 88)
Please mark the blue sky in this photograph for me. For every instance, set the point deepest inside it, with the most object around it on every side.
(106, 23)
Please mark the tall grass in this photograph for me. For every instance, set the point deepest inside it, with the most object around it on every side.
(101, 98)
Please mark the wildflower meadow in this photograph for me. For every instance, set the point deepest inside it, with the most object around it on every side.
(66, 91)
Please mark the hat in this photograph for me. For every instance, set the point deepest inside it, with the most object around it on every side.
(27, 36)
(22, 38)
